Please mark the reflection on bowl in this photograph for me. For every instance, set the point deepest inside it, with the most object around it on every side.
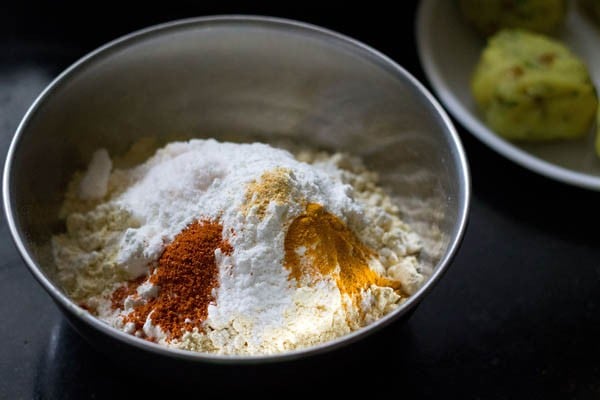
(237, 79)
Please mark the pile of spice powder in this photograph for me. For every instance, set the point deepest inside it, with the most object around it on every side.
(235, 248)
(186, 274)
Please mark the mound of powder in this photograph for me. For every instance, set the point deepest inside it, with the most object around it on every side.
(235, 248)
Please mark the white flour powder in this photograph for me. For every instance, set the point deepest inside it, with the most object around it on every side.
(119, 222)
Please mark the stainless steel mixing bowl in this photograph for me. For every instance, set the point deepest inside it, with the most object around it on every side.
(236, 78)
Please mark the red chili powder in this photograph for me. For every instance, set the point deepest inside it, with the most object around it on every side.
(120, 294)
(186, 274)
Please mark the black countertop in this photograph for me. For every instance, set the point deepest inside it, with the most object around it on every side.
(516, 316)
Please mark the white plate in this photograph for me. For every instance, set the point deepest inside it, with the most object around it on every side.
(449, 49)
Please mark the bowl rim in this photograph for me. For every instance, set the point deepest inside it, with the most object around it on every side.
(266, 22)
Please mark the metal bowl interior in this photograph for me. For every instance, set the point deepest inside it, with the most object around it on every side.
(237, 78)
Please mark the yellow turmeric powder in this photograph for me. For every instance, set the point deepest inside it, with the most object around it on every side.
(319, 245)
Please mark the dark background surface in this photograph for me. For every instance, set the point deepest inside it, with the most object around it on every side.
(516, 316)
